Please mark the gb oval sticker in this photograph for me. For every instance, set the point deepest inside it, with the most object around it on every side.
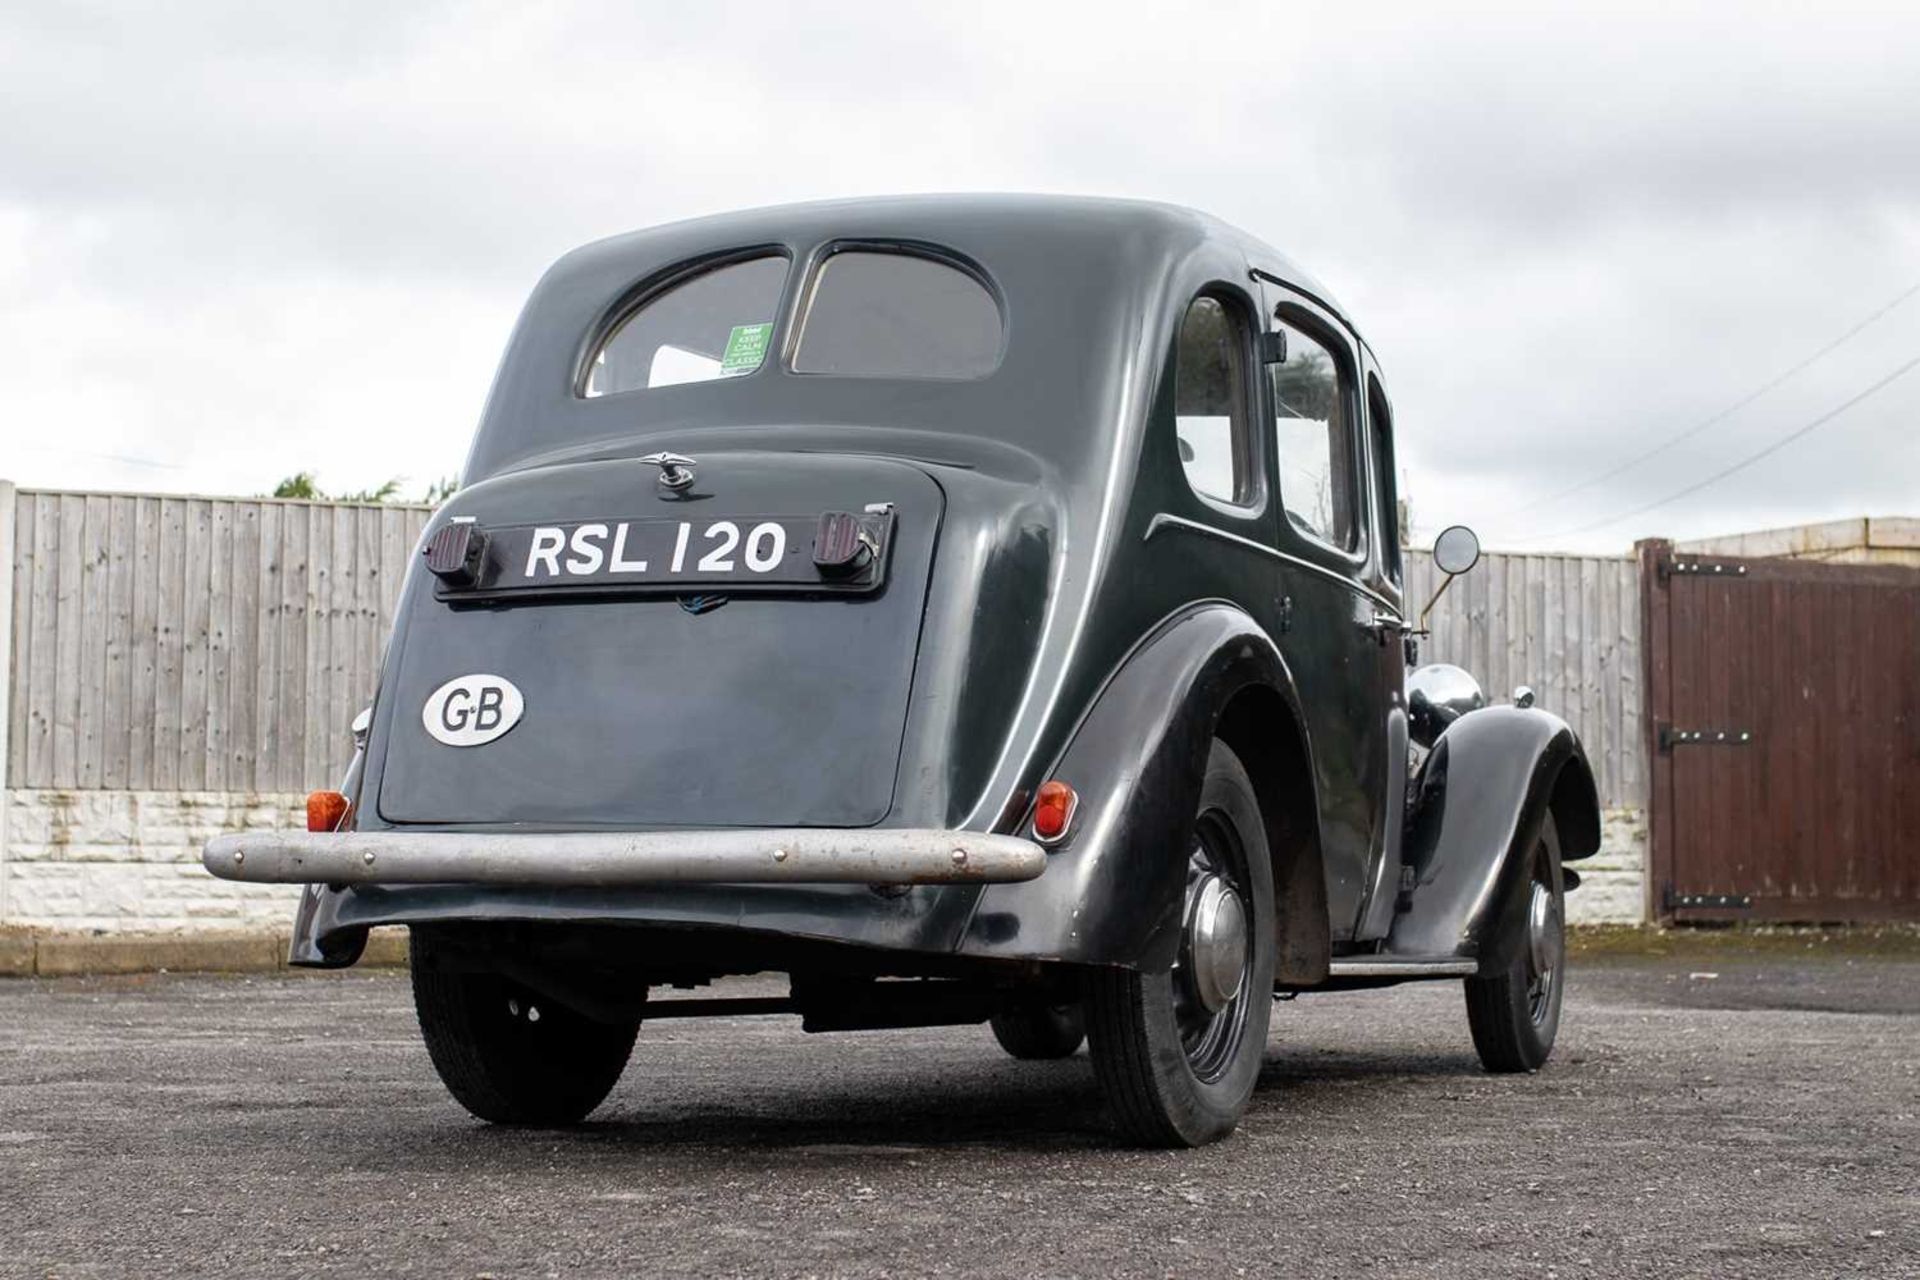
(471, 711)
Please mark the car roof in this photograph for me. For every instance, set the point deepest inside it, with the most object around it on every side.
(955, 220)
(1065, 268)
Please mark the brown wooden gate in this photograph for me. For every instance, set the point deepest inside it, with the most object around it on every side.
(1783, 704)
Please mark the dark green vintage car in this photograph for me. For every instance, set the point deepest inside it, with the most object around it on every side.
(976, 608)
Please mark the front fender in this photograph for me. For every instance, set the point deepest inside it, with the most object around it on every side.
(1111, 892)
(1479, 801)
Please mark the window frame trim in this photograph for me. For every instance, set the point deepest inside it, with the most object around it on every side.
(1299, 311)
(1241, 310)
(658, 284)
(1384, 484)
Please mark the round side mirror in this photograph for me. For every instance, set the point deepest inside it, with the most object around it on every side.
(1456, 550)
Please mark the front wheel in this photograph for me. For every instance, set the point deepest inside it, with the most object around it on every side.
(1514, 1012)
(1177, 1053)
(507, 1054)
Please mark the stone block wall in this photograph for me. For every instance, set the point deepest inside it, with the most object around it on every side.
(129, 861)
(1613, 882)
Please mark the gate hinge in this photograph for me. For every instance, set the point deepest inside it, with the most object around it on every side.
(1707, 901)
(1705, 568)
(1671, 737)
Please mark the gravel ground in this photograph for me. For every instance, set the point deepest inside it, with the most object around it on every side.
(1761, 1121)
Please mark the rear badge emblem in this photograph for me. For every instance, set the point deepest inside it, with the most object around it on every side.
(472, 711)
(697, 605)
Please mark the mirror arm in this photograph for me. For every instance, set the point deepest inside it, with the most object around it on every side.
(1433, 600)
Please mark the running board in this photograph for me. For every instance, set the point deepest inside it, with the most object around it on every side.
(1402, 967)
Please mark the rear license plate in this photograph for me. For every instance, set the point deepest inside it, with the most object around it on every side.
(733, 554)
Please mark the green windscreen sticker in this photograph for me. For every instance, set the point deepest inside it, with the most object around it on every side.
(746, 348)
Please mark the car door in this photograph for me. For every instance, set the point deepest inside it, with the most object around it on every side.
(1386, 578)
(1333, 642)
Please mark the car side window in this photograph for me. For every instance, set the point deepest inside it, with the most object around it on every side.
(715, 324)
(1313, 438)
(1385, 491)
(1210, 413)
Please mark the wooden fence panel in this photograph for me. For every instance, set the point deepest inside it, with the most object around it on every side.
(22, 551)
(1569, 627)
(165, 643)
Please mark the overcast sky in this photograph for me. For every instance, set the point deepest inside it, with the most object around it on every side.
(241, 240)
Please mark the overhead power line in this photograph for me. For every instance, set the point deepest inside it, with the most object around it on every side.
(1722, 415)
(106, 457)
(1750, 459)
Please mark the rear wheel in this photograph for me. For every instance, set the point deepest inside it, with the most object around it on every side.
(507, 1054)
(1177, 1053)
(1515, 1013)
(1040, 1031)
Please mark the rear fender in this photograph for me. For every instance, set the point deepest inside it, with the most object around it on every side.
(1111, 892)
(344, 948)
(1479, 801)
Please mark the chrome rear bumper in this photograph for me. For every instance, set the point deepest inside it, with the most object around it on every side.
(806, 855)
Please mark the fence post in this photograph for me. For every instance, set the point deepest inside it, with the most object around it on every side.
(1657, 694)
(7, 500)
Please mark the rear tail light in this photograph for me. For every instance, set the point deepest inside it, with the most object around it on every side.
(325, 809)
(1053, 810)
(457, 553)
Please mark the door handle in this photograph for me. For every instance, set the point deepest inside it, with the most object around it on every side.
(1384, 626)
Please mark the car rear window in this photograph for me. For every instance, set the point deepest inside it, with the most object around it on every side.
(717, 324)
(885, 314)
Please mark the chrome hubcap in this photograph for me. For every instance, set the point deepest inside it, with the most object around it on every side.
(1210, 995)
(1216, 942)
(1540, 931)
(1544, 946)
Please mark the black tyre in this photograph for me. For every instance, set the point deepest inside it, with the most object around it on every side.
(1514, 1013)
(1177, 1053)
(1038, 1032)
(509, 1055)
